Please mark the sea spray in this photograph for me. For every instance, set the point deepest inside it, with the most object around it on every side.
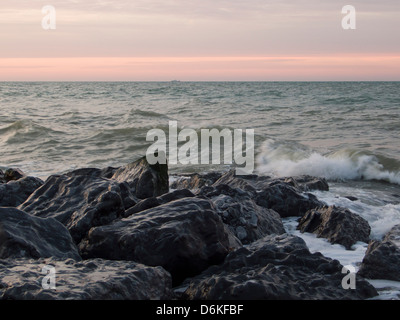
(289, 159)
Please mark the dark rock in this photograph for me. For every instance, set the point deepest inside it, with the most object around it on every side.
(309, 183)
(283, 195)
(351, 198)
(302, 183)
(80, 202)
(145, 180)
(142, 205)
(2, 180)
(338, 225)
(242, 182)
(286, 200)
(382, 258)
(128, 198)
(275, 267)
(183, 236)
(175, 195)
(86, 280)
(195, 181)
(215, 191)
(152, 202)
(12, 174)
(26, 236)
(247, 220)
(13, 193)
(107, 172)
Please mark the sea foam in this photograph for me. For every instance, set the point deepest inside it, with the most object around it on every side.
(289, 159)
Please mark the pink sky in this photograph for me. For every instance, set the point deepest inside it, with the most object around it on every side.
(199, 40)
(201, 68)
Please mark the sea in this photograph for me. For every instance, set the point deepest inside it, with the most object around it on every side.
(346, 132)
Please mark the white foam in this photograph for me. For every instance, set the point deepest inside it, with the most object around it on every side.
(388, 290)
(282, 159)
(381, 218)
(335, 251)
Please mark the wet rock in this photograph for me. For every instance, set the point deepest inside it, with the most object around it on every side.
(2, 180)
(128, 198)
(152, 202)
(175, 195)
(26, 236)
(247, 220)
(275, 267)
(195, 181)
(283, 195)
(286, 200)
(144, 180)
(234, 181)
(142, 205)
(80, 202)
(13, 174)
(95, 279)
(309, 183)
(338, 225)
(302, 183)
(13, 193)
(351, 198)
(184, 236)
(382, 258)
(107, 172)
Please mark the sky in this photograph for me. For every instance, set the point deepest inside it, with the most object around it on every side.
(199, 40)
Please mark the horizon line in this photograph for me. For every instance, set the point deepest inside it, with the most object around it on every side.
(183, 81)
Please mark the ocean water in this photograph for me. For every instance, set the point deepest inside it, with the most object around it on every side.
(346, 132)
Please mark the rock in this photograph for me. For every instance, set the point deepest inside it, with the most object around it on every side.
(195, 181)
(283, 195)
(247, 220)
(26, 236)
(302, 183)
(152, 202)
(286, 200)
(382, 258)
(142, 205)
(12, 174)
(338, 225)
(2, 179)
(13, 193)
(128, 198)
(241, 233)
(184, 236)
(95, 279)
(275, 267)
(175, 195)
(234, 181)
(351, 198)
(107, 172)
(145, 180)
(309, 183)
(80, 202)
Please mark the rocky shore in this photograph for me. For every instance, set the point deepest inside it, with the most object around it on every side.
(135, 233)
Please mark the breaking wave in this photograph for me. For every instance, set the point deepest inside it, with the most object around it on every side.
(291, 159)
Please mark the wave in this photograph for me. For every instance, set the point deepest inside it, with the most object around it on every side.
(22, 130)
(291, 159)
(349, 101)
(17, 125)
(146, 113)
